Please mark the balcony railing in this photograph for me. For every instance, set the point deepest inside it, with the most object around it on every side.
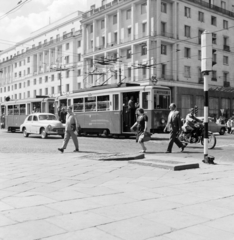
(226, 48)
(226, 84)
(213, 7)
(70, 34)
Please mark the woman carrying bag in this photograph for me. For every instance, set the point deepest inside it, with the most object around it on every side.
(141, 125)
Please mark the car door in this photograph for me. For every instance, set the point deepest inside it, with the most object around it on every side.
(35, 125)
(28, 124)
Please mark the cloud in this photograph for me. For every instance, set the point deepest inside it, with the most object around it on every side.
(19, 27)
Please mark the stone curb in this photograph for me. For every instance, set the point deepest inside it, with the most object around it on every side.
(123, 158)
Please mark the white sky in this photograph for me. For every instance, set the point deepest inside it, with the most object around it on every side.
(32, 16)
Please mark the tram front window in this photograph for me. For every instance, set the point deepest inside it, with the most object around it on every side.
(145, 100)
(161, 99)
(22, 109)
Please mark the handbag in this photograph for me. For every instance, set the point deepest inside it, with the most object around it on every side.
(144, 137)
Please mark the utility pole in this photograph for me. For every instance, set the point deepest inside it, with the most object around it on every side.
(206, 68)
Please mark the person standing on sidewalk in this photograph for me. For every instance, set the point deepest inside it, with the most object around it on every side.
(72, 125)
(174, 124)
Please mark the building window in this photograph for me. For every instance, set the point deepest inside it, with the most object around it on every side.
(187, 12)
(79, 44)
(144, 28)
(214, 38)
(143, 50)
(201, 16)
(15, 65)
(129, 32)
(52, 90)
(187, 52)
(164, 7)
(67, 46)
(40, 92)
(35, 81)
(46, 78)
(163, 70)
(115, 37)
(79, 57)
(91, 44)
(129, 53)
(163, 28)
(52, 77)
(144, 72)
(28, 59)
(225, 77)
(187, 30)
(67, 74)
(225, 24)
(46, 91)
(40, 80)
(79, 86)
(78, 72)
(102, 24)
(19, 74)
(214, 76)
(213, 21)
(67, 59)
(143, 8)
(20, 85)
(223, 4)
(164, 49)
(20, 63)
(15, 86)
(28, 83)
(28, 70)
(28, 94)
(59, 87)
(129, 72)
(114, 19)
(67, 87)
(128, 14)
(15, 75)
(199, 54)
(187, 71)
(225, 60)
(91, 28)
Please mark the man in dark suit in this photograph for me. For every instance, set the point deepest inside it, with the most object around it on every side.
(174, 123)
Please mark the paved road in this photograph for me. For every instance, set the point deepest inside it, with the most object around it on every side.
(51, 196)
(16, 143)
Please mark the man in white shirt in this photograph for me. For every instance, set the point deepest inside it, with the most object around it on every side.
(71, 126)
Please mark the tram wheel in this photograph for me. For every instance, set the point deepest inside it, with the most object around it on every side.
(105, 133)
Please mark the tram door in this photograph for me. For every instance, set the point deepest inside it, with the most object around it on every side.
(130, 104)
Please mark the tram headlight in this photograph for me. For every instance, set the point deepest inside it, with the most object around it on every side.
(163, 121)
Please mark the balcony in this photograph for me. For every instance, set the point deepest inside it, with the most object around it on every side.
(200, 80)
(166, 34)
(226, 84)
(213, 7)
(111, 44)
(68, 35)
(128, 39)
(226, 48)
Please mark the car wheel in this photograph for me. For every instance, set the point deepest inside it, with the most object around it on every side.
(43, 133)
(25, 132)
(222, 131)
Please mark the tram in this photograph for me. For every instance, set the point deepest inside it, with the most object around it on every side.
(104, 109)
(15, 111)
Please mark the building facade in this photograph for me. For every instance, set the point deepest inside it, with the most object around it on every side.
(162, 39)
(47, 63)
(143, 41)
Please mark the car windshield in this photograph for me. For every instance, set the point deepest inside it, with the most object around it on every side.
(47, 117)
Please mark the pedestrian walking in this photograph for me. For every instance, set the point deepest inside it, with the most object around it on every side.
(229, 125)
(72, 125)
(141, 125)
(174, 124)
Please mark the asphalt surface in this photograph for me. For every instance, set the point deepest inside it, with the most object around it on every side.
(16, 143)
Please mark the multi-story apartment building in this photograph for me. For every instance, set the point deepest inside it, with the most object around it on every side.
(165, 36)
(48, 63)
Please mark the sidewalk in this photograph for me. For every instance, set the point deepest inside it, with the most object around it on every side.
(77, 197)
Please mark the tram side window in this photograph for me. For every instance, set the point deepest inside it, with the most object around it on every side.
(78, 105)
(145, 100)
(116, 102)
(161, 99)
(10, 110)
(16, 110)
(22, 109)
(90, 104)
(103, 103)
